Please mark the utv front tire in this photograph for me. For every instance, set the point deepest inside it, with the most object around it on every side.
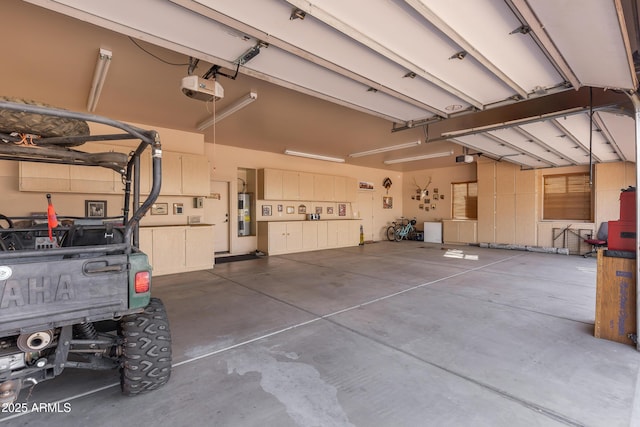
(146, 350)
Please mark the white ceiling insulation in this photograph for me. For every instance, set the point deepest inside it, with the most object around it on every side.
(417, 62)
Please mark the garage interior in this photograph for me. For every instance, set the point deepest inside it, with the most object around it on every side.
(504, 94)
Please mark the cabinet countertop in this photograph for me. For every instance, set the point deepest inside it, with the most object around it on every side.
(310, 220)
(176, 225)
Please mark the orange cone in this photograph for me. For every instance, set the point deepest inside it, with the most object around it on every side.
(52, 219)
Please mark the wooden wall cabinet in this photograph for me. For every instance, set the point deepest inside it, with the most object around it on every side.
(323, 188)
(178, 249)
(460, 231)
(182, 175)
(270, 184)
(275, 184)
(281, 237)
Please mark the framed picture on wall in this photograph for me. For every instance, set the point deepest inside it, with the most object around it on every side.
(387, 202)
(329, 210)
(291, 209)
(266, 210)
(342, 209)
(302, 209)
(95, 208)
(279, 208)
(318, 210)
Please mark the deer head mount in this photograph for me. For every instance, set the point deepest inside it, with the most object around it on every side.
(422, 190)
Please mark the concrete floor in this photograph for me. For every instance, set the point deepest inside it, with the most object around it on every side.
(389, 334)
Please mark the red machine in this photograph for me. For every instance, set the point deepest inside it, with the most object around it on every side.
(622, 233)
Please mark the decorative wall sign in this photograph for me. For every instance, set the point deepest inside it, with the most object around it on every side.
(160, 209)
(362, 185)
(302, 209)
(386, 183)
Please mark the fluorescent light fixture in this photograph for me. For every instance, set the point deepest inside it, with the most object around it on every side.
(99, 76)
(414, 158)
(385, 149)
(314, 156)
(225, 112)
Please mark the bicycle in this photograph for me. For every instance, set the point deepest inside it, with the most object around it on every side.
(399, 231)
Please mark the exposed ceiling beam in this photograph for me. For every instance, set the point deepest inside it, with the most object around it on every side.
(529, 110)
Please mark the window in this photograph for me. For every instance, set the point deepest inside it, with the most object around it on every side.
(567, 197)
(465, 200)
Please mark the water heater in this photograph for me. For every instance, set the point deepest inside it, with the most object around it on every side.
(244, 214)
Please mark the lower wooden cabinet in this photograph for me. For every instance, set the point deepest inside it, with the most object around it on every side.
(281, 237)
(177, 249)
(460, 231)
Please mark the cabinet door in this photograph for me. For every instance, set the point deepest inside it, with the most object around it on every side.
(450, 231)
(345, 233)
(306, 186)
(146, 242)
(310, 235)
(169, 249)
(294, 236)
(467, 232)
(290, 185)
(171, 174)
(195, 175)
(323, 234)
(199, 247)
(272, 184)
(351, 189)
(277, 237)
(332, 234)
(339, 188)
(323, 188)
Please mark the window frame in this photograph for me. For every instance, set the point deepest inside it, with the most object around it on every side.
(468, 208)
(563, 212)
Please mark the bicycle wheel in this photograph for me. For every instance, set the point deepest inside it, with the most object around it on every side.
(398, 233)
(391, 233)
(412, 234)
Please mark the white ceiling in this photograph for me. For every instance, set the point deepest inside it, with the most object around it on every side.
(423, 63)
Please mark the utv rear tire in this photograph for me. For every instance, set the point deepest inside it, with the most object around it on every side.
(40, 124)
(146, 350)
